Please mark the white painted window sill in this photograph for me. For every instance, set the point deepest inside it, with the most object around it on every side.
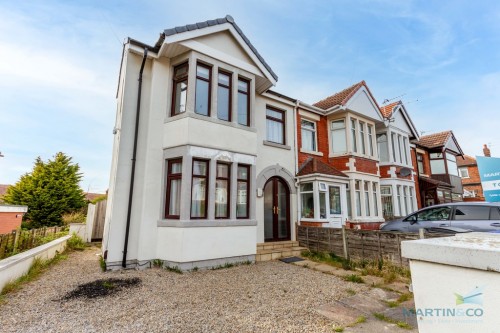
(317, 153)
(275, 145)
(206, 223)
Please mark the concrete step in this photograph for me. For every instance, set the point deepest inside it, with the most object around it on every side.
(276, 245)
(273, 254)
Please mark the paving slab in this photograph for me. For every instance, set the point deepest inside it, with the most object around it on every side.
(364, 303)
(306, 262)
(399, 287)
(340, 313)
(373, 280)
(326, 268)
(373, 325)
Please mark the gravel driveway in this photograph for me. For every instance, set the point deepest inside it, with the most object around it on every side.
(266, 297)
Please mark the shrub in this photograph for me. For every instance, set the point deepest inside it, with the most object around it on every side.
(74, 217)
(76, 243)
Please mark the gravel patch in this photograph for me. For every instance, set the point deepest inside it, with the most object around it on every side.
(265, 297)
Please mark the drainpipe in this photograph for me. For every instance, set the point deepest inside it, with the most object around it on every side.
(134, 154)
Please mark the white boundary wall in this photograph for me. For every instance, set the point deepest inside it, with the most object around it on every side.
(16, 266)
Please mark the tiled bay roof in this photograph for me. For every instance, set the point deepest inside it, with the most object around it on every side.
(339, 98)
(435, 140)
(388, 109)
(467, 160)
(313, 165)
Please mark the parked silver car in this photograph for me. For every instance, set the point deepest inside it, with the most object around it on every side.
(475, 216)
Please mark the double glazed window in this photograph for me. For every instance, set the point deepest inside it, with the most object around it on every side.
(308, 134)
(464, 172)
(451, 161)
(179, 96)
(383, 149)
(174, 182)
(400, 148)
(307, 200)
(275, 125)
(202, 100)
(199, 189)
(222, 190)
(420, 164)
(338, 133)
(242, 198)
(224, 96)
(243, 102)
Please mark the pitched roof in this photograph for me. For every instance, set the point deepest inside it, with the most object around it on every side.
(339, 98)
(313, 165)
(3, 188)
(434, 182)
(434, 140)
(388, 109)
(228, 19)
(467, 160)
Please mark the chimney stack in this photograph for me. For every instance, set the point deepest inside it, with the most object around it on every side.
(486, 151)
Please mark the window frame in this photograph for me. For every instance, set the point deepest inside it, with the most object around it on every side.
(371, 149)
(354, 134)
(247, 93)
(247, 181)
(175, 81)
(281, 121)
(362, 126)
(460, 172)
(230, 88)
(420, 162)
(314, 131)
(209, 80)
(228, 179)
(170, 177)
(207, 182)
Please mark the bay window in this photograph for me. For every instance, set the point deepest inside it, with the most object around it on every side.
(180, 85)
(243, 190)
(394, 145)
(383, 149)
(173, 192)
(353, 136)
(335, 206)
(437, 163)
(367, 197)
(307, 200)
(405, 148)
(222, 192)
(275, 125)
(357, 188)
(412, 206)
(224, 96)
(375, 199)
(370, 140)
(362, 137)
(400, 206)
(202, 97)
(243, 102)
(338, 133)
(199, 189)
(308, 135)
(451, 161)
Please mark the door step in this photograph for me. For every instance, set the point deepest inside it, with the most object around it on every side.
(281, 252)
(276, 245)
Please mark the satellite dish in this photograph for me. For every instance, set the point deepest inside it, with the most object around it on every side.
(404, 172)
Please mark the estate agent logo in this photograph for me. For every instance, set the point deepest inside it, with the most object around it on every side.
(473, 297)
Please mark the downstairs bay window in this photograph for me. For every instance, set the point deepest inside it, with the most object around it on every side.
(307, 200)
(222, 182)
(173, 193)
(321, 200)
(199, 189)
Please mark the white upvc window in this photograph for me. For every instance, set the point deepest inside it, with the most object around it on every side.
(464, 172)
(354, 135)
(370, 140)
(375, 198)
(308, 135)
(362, 137)
(338, 136)
(366, 187)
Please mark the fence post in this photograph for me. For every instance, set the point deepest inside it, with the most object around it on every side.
(399, 250)
(344, 242)
(421, 233)
(16, 239)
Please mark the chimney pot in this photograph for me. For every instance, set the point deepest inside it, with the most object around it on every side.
(486, 151)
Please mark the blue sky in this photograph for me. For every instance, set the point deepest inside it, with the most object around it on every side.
(59, 63)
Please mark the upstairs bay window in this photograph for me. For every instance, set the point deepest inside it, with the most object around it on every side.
(173, 192)
(354, 136)
(224, 96)
(437, 163)
(362, 137)
(275, 125)
(394, 146)
(338, 134)
(308, 134)
(405, 149)
(202, 98)
(451, 161)
(370, 140)
(243, 102)
(199, 189)
(383, 148)
(222, 186)
(180, 85)
(243, 188)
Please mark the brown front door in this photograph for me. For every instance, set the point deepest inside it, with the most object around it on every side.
(276, 210)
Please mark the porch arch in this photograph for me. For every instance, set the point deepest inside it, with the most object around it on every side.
(276, 171)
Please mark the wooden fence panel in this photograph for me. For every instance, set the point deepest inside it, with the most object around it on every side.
(99, 217)
(361, 244)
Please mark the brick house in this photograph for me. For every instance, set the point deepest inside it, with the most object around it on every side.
(11, 217)
(435, 159)
(471, 181)
(339, 133)
(397, 174)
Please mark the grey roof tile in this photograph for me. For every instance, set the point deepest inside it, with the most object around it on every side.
(192, 27)
(180, 29)
(202, 25)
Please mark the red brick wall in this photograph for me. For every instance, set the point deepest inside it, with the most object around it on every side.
(9, 221)
(340, 163)
(473, 183)
(363, 225)
(322, 139)
(366, 165)
(385, 169)
(311, 224)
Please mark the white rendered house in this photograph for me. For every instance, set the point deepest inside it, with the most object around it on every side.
(203, 159)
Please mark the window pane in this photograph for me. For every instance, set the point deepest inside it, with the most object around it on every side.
(472, 213)
(308, 140)
(275, 114)
(200, 168)
(307, 205)
(224, 79)
(174, 205)
(436, 155)
(243, 85)
(180, 96)
(203, 72)
(307, 124)
(306, 187)
(353, 135)
(198, 200)
(223, 103)
(322, 205)
(335, 207)
(437, 167)
(452, 164)
(370, 139)
(176, 167)
(405, 148)
(494, 214)
(383, 149)
(241, 200)
(358, 203)
(202, 93)
(243, 109)
(339, 142)
(222, 170)
(242, 172)
(274, 131)
(221, 198)
(362, 137)
(181, 71)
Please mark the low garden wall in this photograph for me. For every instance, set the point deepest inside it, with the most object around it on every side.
(17, 265)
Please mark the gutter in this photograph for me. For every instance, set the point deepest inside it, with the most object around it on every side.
(134, 155)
